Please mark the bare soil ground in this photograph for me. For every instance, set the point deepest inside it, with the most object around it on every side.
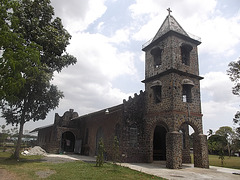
(5, 175)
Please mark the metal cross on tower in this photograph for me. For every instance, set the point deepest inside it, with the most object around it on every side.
(169, 11)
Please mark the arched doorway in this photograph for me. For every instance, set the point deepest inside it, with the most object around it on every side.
(68, 142)
(187, 142)
(195, 144)
(159, 143)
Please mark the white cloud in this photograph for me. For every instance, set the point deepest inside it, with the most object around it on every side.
(121, 35)
(148, 30)
(183, 8)
(88, 84)
(219, 34)
(216, 114)
(141, 7)
(96, 53)
(77, 15)
(100, 26)
(219, 104)
(218, 87)
(156, 13)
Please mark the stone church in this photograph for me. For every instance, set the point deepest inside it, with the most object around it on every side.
(154, 124)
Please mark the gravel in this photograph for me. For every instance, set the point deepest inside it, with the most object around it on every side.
(37, 150)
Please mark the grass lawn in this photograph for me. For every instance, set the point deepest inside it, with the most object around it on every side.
(30, 167)
(232, 162)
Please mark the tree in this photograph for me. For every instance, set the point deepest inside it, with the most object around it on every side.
(40, 42)
(236, 140)
(228, 134)
(100, 155)
(210, 132)
(14, 51)
(216, 144)
(115, 149)
(234, 73)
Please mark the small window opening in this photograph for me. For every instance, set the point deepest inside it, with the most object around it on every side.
(157, 60)
(186, 93)
(157, 90)
(185, 53)
(157, 53)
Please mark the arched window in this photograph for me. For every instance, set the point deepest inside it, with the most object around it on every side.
(156, 52)
(157, 91)
(185, 53)
(187, 90)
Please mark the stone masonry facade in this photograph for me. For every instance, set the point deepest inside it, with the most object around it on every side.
(154, 124)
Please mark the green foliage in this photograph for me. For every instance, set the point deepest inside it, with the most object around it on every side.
(5, 136)
(216, 144)
(100, 153)
(229, 135)
(234, 74)
(236, 118)
(116, 153)
(210, 132)
(225, 131)
(33, 46)
(14, 52)
(225, 139)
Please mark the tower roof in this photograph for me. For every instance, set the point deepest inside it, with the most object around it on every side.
(169, 24)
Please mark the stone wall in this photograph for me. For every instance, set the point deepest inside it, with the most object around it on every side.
(106, 121)
(133, 141)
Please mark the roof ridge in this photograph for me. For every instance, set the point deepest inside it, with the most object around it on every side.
(169, 24)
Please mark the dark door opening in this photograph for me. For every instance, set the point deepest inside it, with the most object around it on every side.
(68, 142)
(159, 143)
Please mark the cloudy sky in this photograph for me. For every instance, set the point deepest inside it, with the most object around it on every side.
(107, 36)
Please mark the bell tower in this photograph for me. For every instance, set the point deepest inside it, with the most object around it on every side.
(172, 87)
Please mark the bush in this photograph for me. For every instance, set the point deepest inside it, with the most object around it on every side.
(100, 153)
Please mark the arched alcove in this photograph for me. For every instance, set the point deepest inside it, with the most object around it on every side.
(191, 142)
(159, 143)
(68, 142)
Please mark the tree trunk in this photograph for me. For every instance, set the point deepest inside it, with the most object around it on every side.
(229, 152)
(18, 146)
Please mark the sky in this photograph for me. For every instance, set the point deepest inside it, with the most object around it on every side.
(107, 39)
